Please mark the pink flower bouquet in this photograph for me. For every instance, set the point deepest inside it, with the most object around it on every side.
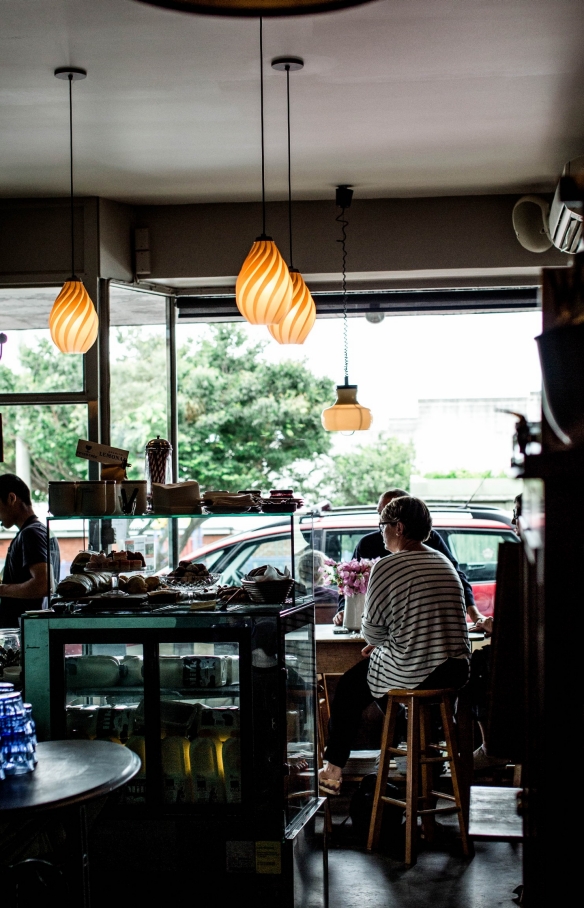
(351, 577)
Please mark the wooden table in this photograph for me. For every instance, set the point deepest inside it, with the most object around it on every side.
(335, 653)
(68, 774)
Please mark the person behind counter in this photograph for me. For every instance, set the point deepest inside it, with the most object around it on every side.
(372, 546)
(414, 624)
(24, 582)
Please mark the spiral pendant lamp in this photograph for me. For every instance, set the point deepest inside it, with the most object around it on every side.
(295, 327)
(263, 291)
(73, 321)
(346, 414)
(298, 323)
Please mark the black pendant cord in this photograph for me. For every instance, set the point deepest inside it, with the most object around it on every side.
(289, 167)
(343, 241)
(262, 117)
(73, 278)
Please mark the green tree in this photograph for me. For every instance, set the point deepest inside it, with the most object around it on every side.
(50, 431)
(362, 475)
(242, 420)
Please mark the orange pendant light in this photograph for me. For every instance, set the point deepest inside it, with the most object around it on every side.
(346, 414)
(73, 321)
(298, 323)
(263, 291)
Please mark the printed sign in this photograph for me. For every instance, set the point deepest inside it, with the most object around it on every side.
(93, 450)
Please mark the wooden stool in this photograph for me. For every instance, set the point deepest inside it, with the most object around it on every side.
(421, 754)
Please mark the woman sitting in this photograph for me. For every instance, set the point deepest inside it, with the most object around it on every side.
(414, 624)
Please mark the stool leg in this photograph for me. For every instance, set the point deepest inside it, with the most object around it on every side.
(382, 773)
(451, 744)
(427, 773)
(412, 771)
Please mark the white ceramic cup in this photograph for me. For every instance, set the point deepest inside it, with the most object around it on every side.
(91, 500)
(62, 499)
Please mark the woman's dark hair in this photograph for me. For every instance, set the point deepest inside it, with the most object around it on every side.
(10, 482)
(414, 515)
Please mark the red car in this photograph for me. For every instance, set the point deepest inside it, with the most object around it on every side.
(472, 534)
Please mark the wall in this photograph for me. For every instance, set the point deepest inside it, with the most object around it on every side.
(391, 242)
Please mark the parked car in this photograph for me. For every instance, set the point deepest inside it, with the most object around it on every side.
(472, 534)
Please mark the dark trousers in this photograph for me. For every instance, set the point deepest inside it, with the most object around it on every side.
(353, 696)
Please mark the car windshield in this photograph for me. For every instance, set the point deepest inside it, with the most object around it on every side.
(477, 550)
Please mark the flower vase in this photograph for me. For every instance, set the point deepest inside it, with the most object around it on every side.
(353, 613)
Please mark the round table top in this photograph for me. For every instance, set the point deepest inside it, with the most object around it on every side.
(69, 772)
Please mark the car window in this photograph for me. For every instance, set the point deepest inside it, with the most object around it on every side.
(477, 551)
(340, 544)
(211, 559)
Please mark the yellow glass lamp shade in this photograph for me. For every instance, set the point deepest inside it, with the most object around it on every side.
(73, 320)
(298, 323)
(347, 414)
(263, 291)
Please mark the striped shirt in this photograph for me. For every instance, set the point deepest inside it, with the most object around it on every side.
(415, 616)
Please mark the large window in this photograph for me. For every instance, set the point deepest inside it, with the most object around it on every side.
(138, 372)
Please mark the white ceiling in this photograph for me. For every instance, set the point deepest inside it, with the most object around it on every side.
(397, 98)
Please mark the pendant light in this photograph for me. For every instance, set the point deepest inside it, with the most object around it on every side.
(298, 323)
(263, 291)
(73, 320)
(347, 414)
(255, 7)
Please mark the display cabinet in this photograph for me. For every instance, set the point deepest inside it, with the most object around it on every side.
(219, 705)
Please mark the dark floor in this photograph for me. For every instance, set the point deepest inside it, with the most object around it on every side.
(441, 878)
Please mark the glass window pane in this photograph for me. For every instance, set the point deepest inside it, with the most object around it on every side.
(40, 443)
(138, 372)
(30, 361)
(477, 552)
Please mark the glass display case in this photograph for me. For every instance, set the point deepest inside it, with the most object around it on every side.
(218, 702)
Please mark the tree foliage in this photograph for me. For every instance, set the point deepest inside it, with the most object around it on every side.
(50, 431)
(242, 420)
(362, 475)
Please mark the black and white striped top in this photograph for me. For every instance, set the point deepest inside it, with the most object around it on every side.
(415, 616)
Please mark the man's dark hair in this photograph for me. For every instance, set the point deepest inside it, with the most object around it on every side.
(395, 493)
(414, 515)
(10, 482)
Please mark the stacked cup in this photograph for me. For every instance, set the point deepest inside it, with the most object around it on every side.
(17, 734)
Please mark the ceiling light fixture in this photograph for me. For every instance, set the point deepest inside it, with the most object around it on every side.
(263, 291)
(347, 414)
(298, 323)
(255, 7)
(73, 320)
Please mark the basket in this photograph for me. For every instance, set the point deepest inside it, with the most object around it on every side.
(269, 591)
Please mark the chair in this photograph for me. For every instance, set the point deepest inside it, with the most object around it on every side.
(422, 755)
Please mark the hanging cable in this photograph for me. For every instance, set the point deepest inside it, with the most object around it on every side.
(343, 241)
(262, 118)
(70, 77)
(289, 165)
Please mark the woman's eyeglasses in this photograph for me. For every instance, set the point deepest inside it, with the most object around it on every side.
(387, 523)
